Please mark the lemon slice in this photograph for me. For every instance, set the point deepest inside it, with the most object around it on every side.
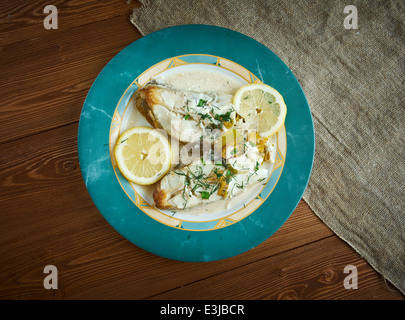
(261, 106)
(143, 155)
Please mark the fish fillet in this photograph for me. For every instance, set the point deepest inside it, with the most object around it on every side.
(188, 116)
(202, 182)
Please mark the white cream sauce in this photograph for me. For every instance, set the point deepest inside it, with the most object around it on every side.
(202, 81)
(242, 198)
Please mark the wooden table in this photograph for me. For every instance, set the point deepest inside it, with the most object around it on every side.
(48, 218)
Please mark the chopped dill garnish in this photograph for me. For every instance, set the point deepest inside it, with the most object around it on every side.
(218, 174)
(226, 117)
(204, 116)
(201, 103)
(205, 194)
(240, 186)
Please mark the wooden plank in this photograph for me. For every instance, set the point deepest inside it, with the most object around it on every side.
(49, 218)
(51, 75)
(23, 20)
(314, 271)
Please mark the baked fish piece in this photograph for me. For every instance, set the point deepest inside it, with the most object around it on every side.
(188, 116)
(203, 182)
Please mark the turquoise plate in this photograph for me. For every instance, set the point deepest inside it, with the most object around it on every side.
(128, 209)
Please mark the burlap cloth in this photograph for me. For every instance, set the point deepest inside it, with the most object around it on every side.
(353, 80)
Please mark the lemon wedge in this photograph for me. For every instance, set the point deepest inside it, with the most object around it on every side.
(262, 107)
(143, 155)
